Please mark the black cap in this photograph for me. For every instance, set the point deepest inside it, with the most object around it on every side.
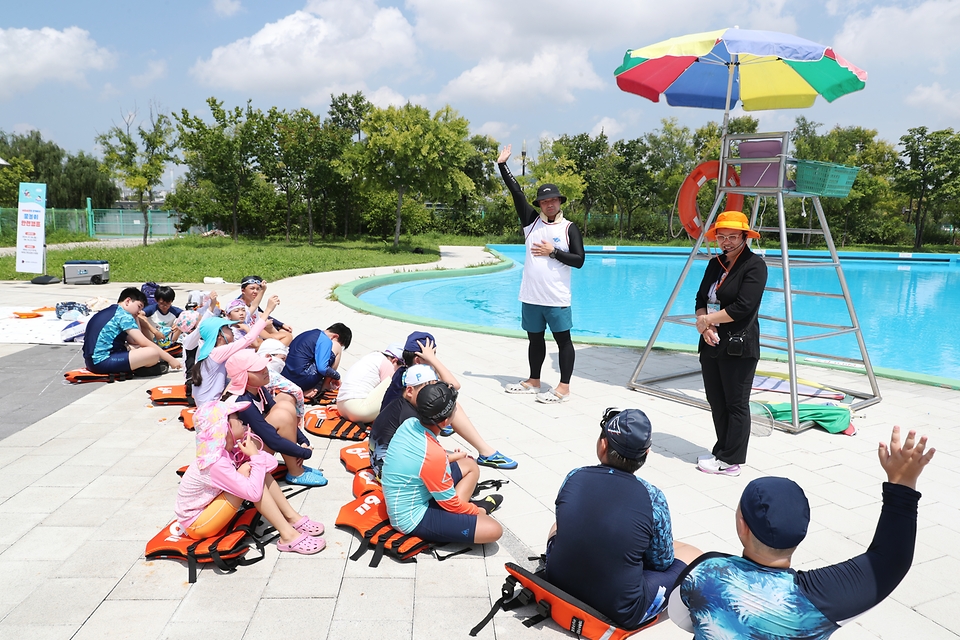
(547, 191)
(629, 433)
(436, 403)
(415, 337)
(776, 510)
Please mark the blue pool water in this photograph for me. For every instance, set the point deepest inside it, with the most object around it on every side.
(907, 309)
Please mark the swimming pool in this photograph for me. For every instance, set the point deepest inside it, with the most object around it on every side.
(904, 305)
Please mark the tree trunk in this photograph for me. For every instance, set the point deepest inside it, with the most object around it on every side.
(236, 203)
(396, 231)
(919, 217)
(146, 216)
(310, 215)
(288, 215)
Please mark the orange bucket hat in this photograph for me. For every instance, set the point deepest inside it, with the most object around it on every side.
(731, 220)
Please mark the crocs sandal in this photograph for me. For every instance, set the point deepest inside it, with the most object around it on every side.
(308, 526)
(521, 387)
(552, 397)
(304, 544)
(309, 478)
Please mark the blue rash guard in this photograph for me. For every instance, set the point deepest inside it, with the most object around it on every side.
(612, 527)
(106, 334)
(310, 360)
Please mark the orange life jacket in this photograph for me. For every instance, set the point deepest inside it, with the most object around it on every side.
(78, 376)
(367, 515)
(355, 457)
(324, 398)
(175, 350)
(552, 602)
(365, 481)
(186, 417)
(326, 422)
(169, 395)
(226, 549)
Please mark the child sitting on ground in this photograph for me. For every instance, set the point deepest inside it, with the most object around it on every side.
(273, 420)
(109, 331)
(209, 374)
(314, 356)
(428, 491)
(276, 353)
(230, 468)
(157, 320)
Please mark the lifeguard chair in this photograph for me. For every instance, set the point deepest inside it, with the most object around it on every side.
(763, 162)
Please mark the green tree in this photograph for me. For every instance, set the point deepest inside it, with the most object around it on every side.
(84, 178)
(20, 170)
(282, 155)
(139, 165)
(556, 169)
(587, 155)
(349, 111)
(407, 150)
(223, 154)
(928, 172)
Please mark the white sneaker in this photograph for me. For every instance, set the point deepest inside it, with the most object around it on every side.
(717, 467)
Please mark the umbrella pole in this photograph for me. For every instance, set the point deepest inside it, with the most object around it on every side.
(724, 145)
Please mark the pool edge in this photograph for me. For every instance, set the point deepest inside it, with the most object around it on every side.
(347, 294)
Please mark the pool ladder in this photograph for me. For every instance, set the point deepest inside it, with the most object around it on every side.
(780, 190)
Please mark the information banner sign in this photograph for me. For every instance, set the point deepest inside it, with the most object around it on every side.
(31, 236)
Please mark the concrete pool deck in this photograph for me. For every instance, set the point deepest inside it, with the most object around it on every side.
(84, 488)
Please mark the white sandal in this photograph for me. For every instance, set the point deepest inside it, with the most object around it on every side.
(552, 397)
(521, 387)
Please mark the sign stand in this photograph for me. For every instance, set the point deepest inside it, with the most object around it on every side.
(45, 279)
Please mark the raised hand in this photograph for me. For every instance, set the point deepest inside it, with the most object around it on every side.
(505, 154)
(904, 462)
(272, 304)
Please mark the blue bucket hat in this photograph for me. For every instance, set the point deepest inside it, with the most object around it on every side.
(209, 330)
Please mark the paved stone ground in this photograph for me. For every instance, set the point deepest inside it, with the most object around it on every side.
(83, 489)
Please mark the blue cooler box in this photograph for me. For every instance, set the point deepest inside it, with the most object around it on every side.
(86, 272)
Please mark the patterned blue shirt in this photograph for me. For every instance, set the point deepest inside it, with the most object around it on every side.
(106, 333)
(736, 598)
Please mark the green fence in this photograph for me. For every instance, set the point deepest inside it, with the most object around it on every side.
(75, 220)
(100, 223)
(123, 223)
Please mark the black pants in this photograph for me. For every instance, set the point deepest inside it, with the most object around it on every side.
(537, 352)
(188, 363)
(727, 382)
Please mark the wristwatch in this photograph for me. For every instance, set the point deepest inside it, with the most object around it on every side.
(553, 254)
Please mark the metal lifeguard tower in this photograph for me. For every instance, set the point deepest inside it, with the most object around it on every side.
(767, 177)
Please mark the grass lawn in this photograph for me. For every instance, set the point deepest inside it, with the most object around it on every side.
(54, 236)
(193, 258)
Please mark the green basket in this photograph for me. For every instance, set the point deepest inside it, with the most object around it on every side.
(825, 178)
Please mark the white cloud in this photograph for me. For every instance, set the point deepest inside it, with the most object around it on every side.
(322, 45)
(226, 8)
(34, 56)
(386, 97)
(926, 31)
(608, 126)
(508, 29)
(550, 76)
(155, 70)
(935, 98)
(109, 92)
(499, 131)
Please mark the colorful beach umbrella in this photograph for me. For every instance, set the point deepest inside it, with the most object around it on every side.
(757, 69)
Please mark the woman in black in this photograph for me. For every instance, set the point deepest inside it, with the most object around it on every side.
(728, 305)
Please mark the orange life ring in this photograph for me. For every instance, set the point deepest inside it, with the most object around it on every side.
(687, 200)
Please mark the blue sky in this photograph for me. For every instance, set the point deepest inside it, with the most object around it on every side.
(516, 70)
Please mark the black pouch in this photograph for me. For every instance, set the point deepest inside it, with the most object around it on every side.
(735, 344)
